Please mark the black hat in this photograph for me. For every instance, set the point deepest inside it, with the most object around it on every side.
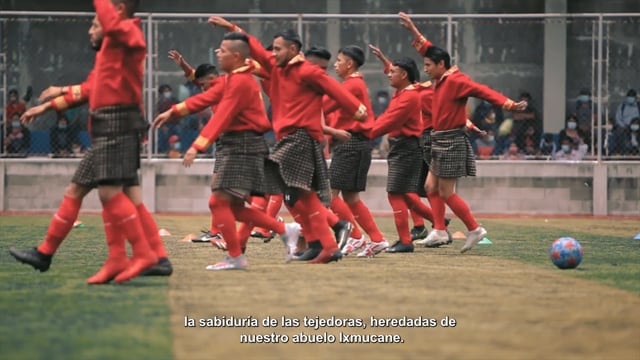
(408, 65)
(354, 52)
(631, 92)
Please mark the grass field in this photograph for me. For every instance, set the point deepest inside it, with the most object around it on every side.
(508, 300)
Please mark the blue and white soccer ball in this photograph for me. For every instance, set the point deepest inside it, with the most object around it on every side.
(566, 253)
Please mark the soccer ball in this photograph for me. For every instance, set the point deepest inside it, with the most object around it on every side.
(566, 253)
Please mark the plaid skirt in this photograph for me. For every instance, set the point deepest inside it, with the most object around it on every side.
(301, 164)
(452, 154)
(350, 164)
(112, 160)
(404, 164)
(240, 163)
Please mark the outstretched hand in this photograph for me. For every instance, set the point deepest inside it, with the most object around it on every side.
(33, 113)
(189, 157)
(520, 106)
(176, 57)
(406, 21)
(379, 54)
(220, 21)
(49, 93)
(163, 118)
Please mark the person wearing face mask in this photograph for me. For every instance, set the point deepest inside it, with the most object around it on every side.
(18, 138)
(61, 137)
(14, 105)
(568, 151)
(485, 145)
(631, 138)
(572, 130)
(628, 110)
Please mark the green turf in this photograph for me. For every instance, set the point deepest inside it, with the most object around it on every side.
(56, 315)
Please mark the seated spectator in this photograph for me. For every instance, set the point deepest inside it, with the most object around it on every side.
(14, 105)
(522, 120)
(18, 140)
(628, 110)
(547, 145)
(572, 131)
(529, 141)
(62, 137)
(568, 151)
(485, 145)
(77, 150)
(174, 147)
(512, 153)
(631, 138)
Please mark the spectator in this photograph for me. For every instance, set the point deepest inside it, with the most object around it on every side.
(631, 138)
(547, 145)
(585, 111)
(488, 118)
(165, 102)
(379, 105)
(512, 153)
(174, 147)
(77, 150)
(18, 140)
(62, 137)
(572, 131)
(14, 106)
(529, 141)
(628, 110)
(522, 120)
(485, 145)
(568, 151)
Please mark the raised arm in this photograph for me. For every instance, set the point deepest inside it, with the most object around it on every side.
(383, 59)
(466, 87)
(420, 42)
(194, 104)
(263, 56)
(178, 59)
(126, 32)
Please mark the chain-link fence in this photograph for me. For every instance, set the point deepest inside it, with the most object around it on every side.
(576, 70)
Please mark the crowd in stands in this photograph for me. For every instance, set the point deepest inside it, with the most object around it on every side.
(508, 136)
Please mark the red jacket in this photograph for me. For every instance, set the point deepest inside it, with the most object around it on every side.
(450, 99)
(356, 86)
(119, 65)
(402, 117)
(240, 108)
(426, 97)
(296, 93)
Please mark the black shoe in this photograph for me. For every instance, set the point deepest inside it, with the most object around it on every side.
(399, 247)
(342, 230)
(162, 268)
(33, 257)
(206, 237)
(311, 253)
(447, 221)
(419, 232)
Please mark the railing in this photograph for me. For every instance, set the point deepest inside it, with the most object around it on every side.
(550, 56)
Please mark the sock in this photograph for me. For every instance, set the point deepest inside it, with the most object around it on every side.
(342, 210)
(300, 220)
(332, 218)
(150, 229)
(115, 239)
(400, 216)
(60, 225)
(259, 203)
(244, 231)
(124, 216)
(363, 216)
(418, 221)
(258, 218)
(275, 203)
(309, 206)
(417, 206)
(226, 223)
(438, 208)
(461, 209)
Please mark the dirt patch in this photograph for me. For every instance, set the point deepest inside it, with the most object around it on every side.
(503, 309)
